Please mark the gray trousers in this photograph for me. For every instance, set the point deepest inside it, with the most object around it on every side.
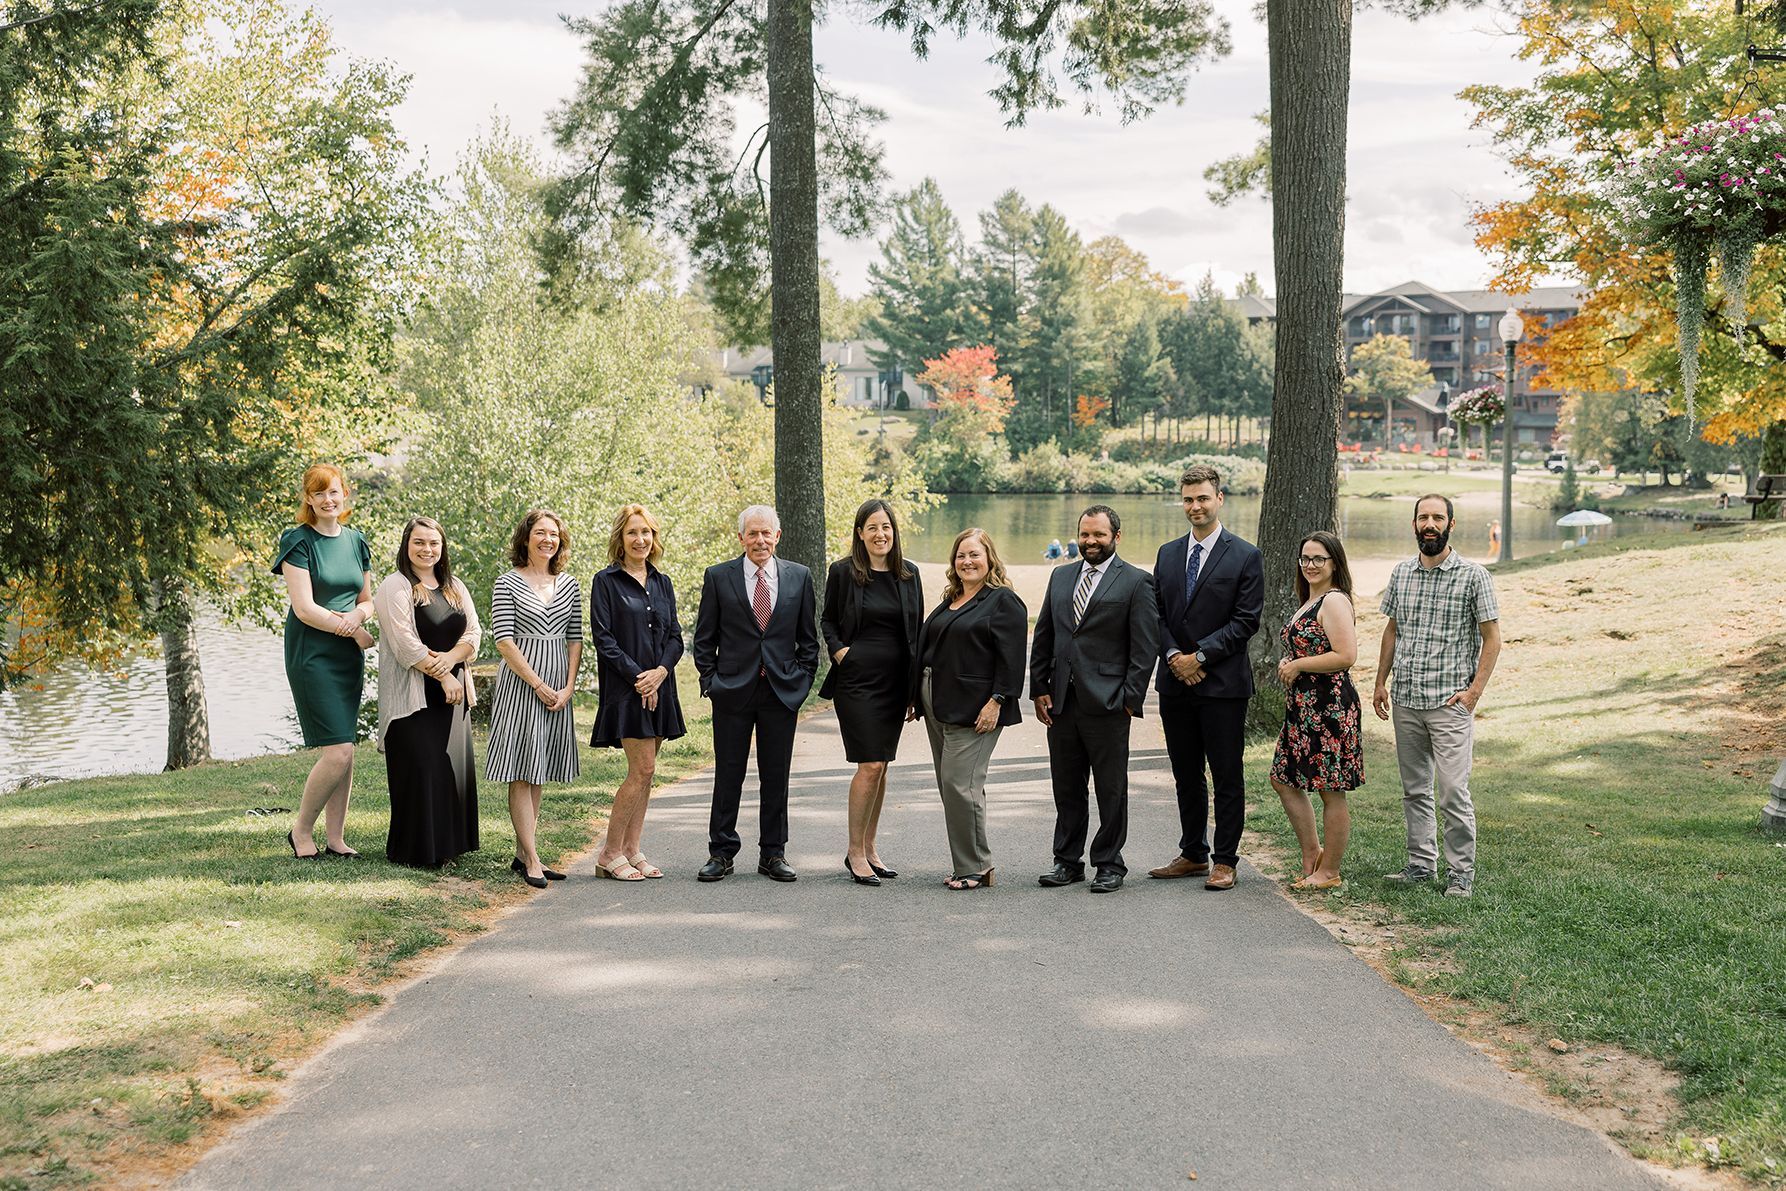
(1434, 749)
(961, 756)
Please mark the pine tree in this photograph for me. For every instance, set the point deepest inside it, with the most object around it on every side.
(1055, 353)
(919, 282)
(998, 279)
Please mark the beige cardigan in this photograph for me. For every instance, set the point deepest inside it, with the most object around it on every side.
(400, 690)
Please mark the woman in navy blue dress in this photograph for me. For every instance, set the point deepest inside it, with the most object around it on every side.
(638, 641)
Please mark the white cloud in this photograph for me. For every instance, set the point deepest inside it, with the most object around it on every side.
(1415, 165)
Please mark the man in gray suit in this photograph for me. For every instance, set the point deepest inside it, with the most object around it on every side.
(1097, 635)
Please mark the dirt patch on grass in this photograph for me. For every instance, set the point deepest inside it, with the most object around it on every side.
(1626, 1097)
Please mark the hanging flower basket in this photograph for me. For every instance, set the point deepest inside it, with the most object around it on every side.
(1719, 188)
(1482, 406)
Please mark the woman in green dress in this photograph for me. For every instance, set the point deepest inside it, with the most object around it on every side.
(327, 569)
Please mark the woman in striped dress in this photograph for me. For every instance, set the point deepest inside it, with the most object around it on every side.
(537, 615)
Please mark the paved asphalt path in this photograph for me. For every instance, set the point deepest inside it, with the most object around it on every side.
(821, 1034)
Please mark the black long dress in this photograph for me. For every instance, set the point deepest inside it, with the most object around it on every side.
(428, 760)
(873, 681)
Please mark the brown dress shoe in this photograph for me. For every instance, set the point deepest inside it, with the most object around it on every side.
(1221, 877)
(1180, 867)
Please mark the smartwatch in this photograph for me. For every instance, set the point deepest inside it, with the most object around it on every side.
(1202, 659)
(998, 699)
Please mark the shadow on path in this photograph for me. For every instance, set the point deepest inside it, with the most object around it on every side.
(823, 1034)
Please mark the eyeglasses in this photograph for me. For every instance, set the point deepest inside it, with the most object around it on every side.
(1312, 560)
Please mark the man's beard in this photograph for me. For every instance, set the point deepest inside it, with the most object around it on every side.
(1433, 544)
(1094, 552)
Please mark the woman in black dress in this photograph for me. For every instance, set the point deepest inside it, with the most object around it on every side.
(428, 631)
(1320, 749)
(638, 641)
(873, 605)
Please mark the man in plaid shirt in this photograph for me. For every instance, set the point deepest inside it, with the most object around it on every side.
(1439, 648)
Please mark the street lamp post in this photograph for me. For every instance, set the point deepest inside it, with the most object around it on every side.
(1512, 327)
(1445, 431)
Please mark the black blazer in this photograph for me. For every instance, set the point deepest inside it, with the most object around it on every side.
(843, 613)
(1219, 619)
(1112, 652)
(979, 654)
(730, 649)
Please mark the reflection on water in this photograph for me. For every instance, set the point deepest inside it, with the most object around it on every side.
(80, 724)
(1022, 526)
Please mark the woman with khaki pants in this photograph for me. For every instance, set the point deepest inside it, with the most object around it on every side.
(970, 674)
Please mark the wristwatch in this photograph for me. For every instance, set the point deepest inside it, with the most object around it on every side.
(1202, 658)
(999, 699)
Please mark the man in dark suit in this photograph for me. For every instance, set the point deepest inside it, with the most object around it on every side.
(1210, 587)
(1096, 639)
(756, 651)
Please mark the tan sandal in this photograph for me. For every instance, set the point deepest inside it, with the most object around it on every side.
(645, 866)
(1306, 883)
(621, 870)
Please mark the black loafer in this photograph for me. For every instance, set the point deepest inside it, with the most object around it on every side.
(1108, 881)
(776, 868)
(1062, 875)
(717, 868)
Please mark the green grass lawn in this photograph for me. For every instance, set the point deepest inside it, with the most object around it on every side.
(1625, 893)
(215, 959)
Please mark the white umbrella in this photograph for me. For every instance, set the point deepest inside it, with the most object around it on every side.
(1584, 517)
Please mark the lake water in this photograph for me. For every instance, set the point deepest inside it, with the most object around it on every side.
(79, 723)
(1022, 526)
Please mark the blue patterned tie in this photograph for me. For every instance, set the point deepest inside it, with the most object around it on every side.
(1190, 571)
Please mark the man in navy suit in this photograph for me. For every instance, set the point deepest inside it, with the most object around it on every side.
(756, 651)
(1210, 587)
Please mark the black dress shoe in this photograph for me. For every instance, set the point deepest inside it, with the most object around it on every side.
(717, 868)
(776, 868)
(870, 879)
(1108, 881)
(885, 874)
(1062, 875)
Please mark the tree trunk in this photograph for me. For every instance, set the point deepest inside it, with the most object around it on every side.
(1773, 462)
(794, 287)
(1310, 48)
(188, 720)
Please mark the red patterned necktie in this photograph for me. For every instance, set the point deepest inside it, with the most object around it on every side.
(759, 602)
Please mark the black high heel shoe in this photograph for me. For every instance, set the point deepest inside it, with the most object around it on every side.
(348, 855)
(516, 866)
(290, 838)
(885, 874)
(872, 879)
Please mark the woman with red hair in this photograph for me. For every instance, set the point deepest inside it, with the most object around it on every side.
(327, 569)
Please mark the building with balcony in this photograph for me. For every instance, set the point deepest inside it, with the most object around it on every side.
(1456, 332)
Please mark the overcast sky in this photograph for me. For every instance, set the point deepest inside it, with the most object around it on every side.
(1416, 166)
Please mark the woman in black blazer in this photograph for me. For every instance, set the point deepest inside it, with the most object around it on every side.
(873, 603)
(970, 674)
(638, 639)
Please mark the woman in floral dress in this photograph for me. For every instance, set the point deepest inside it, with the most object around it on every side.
(1320, 750)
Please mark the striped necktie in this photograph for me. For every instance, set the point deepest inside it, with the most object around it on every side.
(759, 602)
(1082, 594)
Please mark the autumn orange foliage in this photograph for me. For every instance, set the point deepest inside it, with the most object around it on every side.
(967, 382)
(1087, 408)
(1612, 76)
